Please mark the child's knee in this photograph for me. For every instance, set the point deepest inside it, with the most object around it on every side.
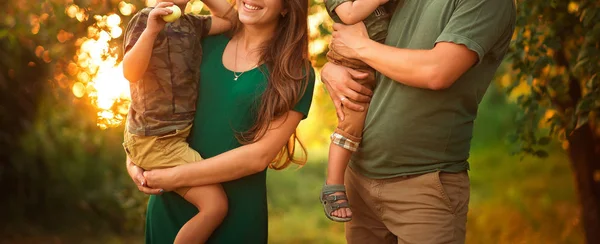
(217, 209)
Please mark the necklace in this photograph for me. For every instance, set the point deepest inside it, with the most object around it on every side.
(235, 74)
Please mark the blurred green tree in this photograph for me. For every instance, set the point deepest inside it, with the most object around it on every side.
(556, 63)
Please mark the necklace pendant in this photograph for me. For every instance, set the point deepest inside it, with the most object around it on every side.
(235, 78)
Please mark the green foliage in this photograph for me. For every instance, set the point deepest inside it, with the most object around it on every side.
(556, 53)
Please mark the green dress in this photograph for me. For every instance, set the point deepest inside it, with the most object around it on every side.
(224, 107)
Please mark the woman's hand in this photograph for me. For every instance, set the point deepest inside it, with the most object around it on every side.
(155, 21)
(349, 39)
(341, 85)
(137, 174)
(162, 178)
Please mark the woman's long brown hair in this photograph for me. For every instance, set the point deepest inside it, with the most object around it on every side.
(288, 68)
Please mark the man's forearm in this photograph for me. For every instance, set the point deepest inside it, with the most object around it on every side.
(415, 68)
(137, 59)
(437, 68)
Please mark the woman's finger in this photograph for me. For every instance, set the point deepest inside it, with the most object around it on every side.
(140, 180)
(150, 191)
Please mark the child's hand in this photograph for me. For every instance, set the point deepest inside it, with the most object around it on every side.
(155, 21)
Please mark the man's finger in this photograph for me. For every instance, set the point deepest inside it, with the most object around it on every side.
(364, 92)
(357, 74)
(352, 106)
(338, 109)
(349, 93)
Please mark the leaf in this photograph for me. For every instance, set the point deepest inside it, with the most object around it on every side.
(581, 121)
(544, 141)
(541, 153)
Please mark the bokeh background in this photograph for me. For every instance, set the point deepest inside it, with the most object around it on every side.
(535, 158)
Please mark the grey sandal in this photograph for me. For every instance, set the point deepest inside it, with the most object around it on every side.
(330, 203)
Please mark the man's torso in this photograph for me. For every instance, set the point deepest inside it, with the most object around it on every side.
(410, 130)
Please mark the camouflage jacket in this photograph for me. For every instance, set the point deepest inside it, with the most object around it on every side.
(164, 100)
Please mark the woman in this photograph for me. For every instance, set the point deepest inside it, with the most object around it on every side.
(255, 88)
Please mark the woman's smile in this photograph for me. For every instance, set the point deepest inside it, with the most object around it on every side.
(251, 6)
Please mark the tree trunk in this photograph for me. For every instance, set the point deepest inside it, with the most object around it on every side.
(585, 161)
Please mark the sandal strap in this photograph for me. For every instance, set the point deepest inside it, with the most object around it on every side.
(335, 198)
(335, 206)
(328, 189)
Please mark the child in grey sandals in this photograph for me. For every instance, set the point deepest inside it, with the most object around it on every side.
(347, 136)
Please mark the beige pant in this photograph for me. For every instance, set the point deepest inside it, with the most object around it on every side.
(421, 209)
(155, 152)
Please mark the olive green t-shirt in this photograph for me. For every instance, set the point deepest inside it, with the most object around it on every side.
(224, 107)
(411, 130)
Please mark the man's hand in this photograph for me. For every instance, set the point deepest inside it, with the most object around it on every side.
(136, 173)
(342, 86)
(155, 21)
(348, 39)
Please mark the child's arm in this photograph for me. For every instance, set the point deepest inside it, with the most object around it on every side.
(138, 47)
(352, 12)
(223, 16)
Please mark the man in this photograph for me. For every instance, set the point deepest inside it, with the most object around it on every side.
(408, 181)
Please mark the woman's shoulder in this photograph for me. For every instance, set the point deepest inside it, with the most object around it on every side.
(217, 40)
(214, 45)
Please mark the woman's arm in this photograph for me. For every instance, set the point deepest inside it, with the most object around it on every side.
(237, 163)
(223, 15)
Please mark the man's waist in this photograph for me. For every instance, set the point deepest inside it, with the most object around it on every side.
(375, 171)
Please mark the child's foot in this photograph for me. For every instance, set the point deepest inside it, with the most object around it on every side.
(342, 212)
(335, 203)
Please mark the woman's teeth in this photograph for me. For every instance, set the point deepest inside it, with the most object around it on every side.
(248, 6)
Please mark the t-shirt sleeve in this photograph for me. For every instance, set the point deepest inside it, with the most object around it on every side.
(480, 25)
(134, 28)
(332, 4)
(202, 24)
(303, 106)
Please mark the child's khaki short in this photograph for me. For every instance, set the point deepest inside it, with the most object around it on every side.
(156, 152)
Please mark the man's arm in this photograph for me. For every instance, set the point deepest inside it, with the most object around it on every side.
(139, 50)
(352, 12)
(471, 33)
(434, 69)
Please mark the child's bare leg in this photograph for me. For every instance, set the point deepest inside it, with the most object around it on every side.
(338, 161)
(211, 201)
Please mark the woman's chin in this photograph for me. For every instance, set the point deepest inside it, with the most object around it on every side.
(248, 21)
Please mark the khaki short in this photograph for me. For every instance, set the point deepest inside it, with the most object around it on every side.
(156, 152)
